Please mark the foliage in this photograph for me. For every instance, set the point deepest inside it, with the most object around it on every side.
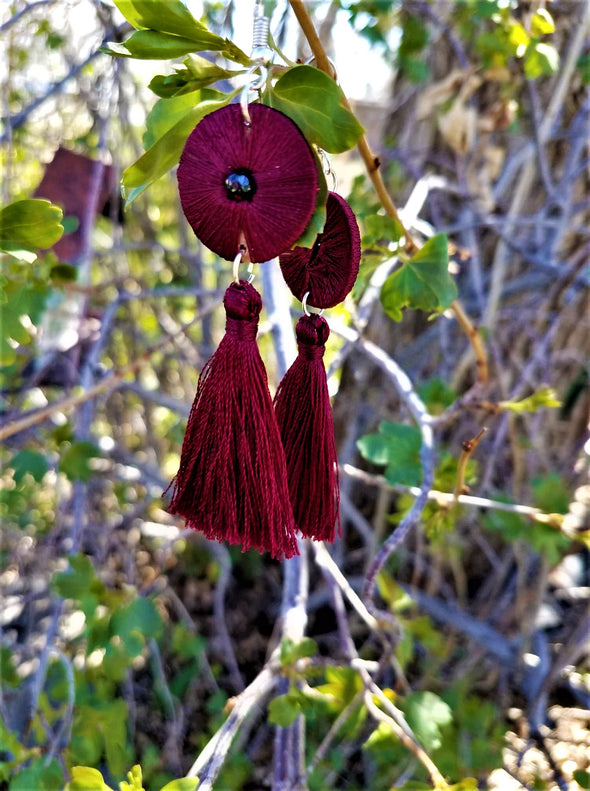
(115, 660)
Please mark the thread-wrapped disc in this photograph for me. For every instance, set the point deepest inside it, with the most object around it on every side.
(252, 185)
(329, 269)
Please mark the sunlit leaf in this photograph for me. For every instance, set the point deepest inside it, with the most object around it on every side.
(182, 784)
(165, 152)
(152, 45)
(540, 59)
(134, 780)
(314, 101)
(422, 282)
(283, 711)
(30, 224)
(543, 398)
(426, 714)
(84, 778)
(542, 23)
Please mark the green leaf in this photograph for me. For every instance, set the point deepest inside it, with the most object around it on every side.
(165, 152)
(283, 711)
(314, 101)
(427, 714)
(397, 447)
(169, 17)
(540, 59)
(551, 494)
(63, 273)
(542, 23)
(134, 780)
(75, 461)
(165, 114)
(135, 623)
(318, 218)
(79, 580)
(84, 778)
(30, 225)
(582, 777)
(173, 17)
(31, 462)
(423, 282)
(543, 398)
(183, 784)
(152, 45)
(292, 651)
(40, 777)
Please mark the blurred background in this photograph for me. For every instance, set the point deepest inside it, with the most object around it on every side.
(124, 637)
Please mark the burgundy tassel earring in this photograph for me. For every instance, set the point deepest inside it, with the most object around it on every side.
(232, 481)
(323, 275)
(247, 183)
(302, 407)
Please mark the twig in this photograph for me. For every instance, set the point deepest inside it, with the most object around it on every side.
(20, 14)
(211, 759)
(373, 167)
(222, 556)
(447, 498)
(108, 383)
(467, 448)
(325, 562)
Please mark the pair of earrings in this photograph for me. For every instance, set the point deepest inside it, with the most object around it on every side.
(253, 472)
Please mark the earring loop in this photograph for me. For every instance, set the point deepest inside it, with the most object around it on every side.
(306, 310)
(236, 269)
(256, 75)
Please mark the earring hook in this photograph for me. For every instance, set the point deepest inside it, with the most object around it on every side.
(236, 269)
(306, 310)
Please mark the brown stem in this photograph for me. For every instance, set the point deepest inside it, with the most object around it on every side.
(468, 446)
(372, 165)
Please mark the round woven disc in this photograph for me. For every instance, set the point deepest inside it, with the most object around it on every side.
(328, 269)
(254, 185)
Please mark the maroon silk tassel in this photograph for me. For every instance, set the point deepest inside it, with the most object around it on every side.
(232, 482)
(302, 407)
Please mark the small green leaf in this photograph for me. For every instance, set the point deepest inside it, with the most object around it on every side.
(427, 714)
(314, 101)
(31, 462)
(169, 17)
(30, 224)
(75, 462)
(84, 778)
(291, 651)
(165, 152)
(183, 784)
(63, 273)
(40, 777)
(135, 623)
(397, 447)
(134, 780)
(152, 45)
(543, 398)
(283, 711)
(540, 59)
(423, 282)
(583, 65)
(165, 114)
(542, 23)
(582, 777)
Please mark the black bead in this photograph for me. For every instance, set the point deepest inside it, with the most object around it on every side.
(240, 185)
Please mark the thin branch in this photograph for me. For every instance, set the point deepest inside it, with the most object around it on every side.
(212, 758)
(108, 383)
(467, 448)
(20, 14)
(447, 498)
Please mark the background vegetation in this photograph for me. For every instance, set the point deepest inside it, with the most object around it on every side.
(455, 657)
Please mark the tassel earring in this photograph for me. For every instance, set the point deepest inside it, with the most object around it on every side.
(323, 275)
(232, 482)
(302, 407)
(247, 181)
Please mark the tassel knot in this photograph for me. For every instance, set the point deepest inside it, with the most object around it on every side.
(312, 333)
